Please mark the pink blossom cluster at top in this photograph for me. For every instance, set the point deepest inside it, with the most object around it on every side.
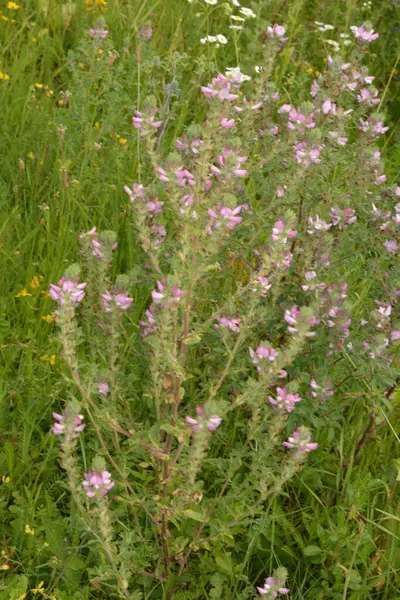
(181, 176)
(145, 121)
(96, 246)
(67, 425)
(98, 32)
(221, 88)
(281, 232)
(211, 423)
(67, 290)
(284, 401)
(97, 483)
(145, 33)
(149, 208)
(276, 31)
(225, 217)
(166, 297)
(321, 392)
(272, 587)
(228, 323)
(229, 165)
(120, 300)
(365, 35)
(300, 440)
(189, 146)
(293, 319)
(342, 218)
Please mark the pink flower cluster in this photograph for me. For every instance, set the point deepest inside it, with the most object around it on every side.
(321, 392)
(211, 423)
(166, 297)
(276, 31)
(225, 217)
(120, 300)
(228, 323)
(281, 232)
(98, 32)
(272, 587)
(363, 34)
(97, 483)
(67, 425)
(294, 320)
(145, 121)
(284, 401)
(229, 165)
(300, 440)
(220, 88)
(67, 290)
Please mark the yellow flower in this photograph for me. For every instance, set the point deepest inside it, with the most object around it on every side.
(100, 51)
(44, 357)
(122, 141)
(22, 597)
(24, 292)
(4, 76)
(4, 18)
(31, 155)
(39, 589)
(5, 567)
(49, 318)
(5, 478)
(52, 360)
(310, 70)
(35, 283)
(34, 39)
(12, 6)
(45, 294)
(39, 86)
(28, 530)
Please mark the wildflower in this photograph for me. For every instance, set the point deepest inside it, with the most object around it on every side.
(40, 589)
(342, 218)
(24, 292)
(373, 126)
(144, 122)
(49, 318)
(261, 285)
(300, 440)
(67, 290)
(28, 530)
(280, 232)
(272, 587)
(220, 87)
(395, 335)
(391, 246)
(247, 12)
(97, 483)
(4, 76)
(198, 424)
(12, 6)
(145, 32)
(263, 353)
(284, 400)
(121, 301)
(305, 156)
(52, 360)
(277, 31)
(122, 141)
(223, 215)
(316, 225)
(227, 123)
(212, 2)
(221, 39)
(103, 388)
(228, 323)
(35, 283)
(229, 164)
(321, 392)
(363, 34)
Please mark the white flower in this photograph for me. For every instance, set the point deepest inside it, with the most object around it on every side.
(247, 12)
(212, 2)
(257, 69)
(236, 74)
(237, 18)
(235, 2)
(210, 38)
(335, 45)
(221, 39)
(237, 27)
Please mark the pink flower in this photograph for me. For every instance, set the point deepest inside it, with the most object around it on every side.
(300, 440)
(261, 285)
(281, 232)
(305, 155)
(263, 353)
(316, 225)
(145, 33)
(198, 424)
(364, 35)
(284, 400)
(228, 323)
(121, 301)
(97, 483)
(224, 215)
(103, 388)
(342, 217)
(145, 122)
(69, 426)
(98, 32)
(277, 31)
(272, 587)
(220, 88)
(391, 246)
(67, 290)
(291, 317)
(395, 335)
(321, 392)
(227, 123)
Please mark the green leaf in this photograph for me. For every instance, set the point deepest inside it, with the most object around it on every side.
(192, 340)
(311, 550)
(193, 514)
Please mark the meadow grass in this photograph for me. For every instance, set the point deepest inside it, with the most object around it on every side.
(53, 186)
